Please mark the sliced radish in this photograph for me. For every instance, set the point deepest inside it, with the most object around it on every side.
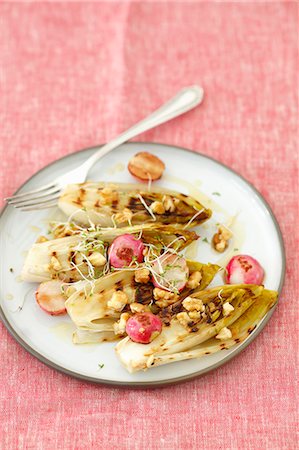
(143, 327)
(50, 298)
(170, 272)
(146, 166)
(243, 269)
(124, 250)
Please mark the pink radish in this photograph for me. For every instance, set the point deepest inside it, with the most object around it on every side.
(143, 327)
(50, 298)
(124, 250)
(243, 269)
(170, 272)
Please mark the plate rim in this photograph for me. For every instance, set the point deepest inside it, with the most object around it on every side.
(162, 383)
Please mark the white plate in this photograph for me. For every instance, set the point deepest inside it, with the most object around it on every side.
(49, 338)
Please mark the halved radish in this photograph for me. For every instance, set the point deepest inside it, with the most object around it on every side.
(124, 250)
(50, 298)
(244, 269)
(143, 327)
(146, 166)
(170, 271)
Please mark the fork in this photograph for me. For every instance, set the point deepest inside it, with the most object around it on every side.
(47, 196)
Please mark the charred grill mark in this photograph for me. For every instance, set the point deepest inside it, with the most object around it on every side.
(77, 201)
(207, 353)
(194, 329)
(115, 203)
(251, 329)
(237, 341)
(71, 256)
(97, 204)
(119, 285)
(54, 253)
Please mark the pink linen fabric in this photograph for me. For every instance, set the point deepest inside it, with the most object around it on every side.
(73, 75)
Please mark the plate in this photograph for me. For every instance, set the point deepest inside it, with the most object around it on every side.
(234, 202)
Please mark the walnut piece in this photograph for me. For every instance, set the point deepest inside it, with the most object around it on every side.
(194, 280)
(184, 319)
(142, 276)
(164, 298)
(157, 208)
(118, 300)
(224, 333)
(193, 304)
(138, 307)
(120, 326)
(168, 203)
(97, 259)
(221, 238)
(227, 309)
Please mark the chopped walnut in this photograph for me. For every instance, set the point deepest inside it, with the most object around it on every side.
(157, 207)
(184, 319)
(142, 276)
(55, 264)
(118, 300)
(41, 239)
(194, 280)
(224, 333)
(193, 304)
(211, 306)
(164, 298)
(194, 315)
(168, 203)
(107, 196)
(124, 216)
(97, 259)
(221, 238)
(227, 309)
(120, 326)
(138, 307)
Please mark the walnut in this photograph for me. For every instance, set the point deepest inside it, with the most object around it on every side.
(157, 207)
(221, 238)
(211, 306)
(224, 333)
(107, 196)
(97, 259)
(194, 280)
(227, 309)
(120, 326)
(138, 307)
(194, 315)
(118, 300)
(55, 264)
(184, 319)
(193, 304)
(164, 298)
(142, 276)
(168, 203)
(124, 216)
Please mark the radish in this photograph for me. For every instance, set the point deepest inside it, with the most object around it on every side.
(124, 250)
(171, 272)
(243, 269)
(143, 327)
(146, 166)
(50, 298)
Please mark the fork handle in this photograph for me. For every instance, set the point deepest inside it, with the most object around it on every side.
(185, 100)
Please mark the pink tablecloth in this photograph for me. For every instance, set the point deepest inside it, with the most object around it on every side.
(73, 75)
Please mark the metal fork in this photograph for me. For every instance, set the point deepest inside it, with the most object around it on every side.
(46, 196)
